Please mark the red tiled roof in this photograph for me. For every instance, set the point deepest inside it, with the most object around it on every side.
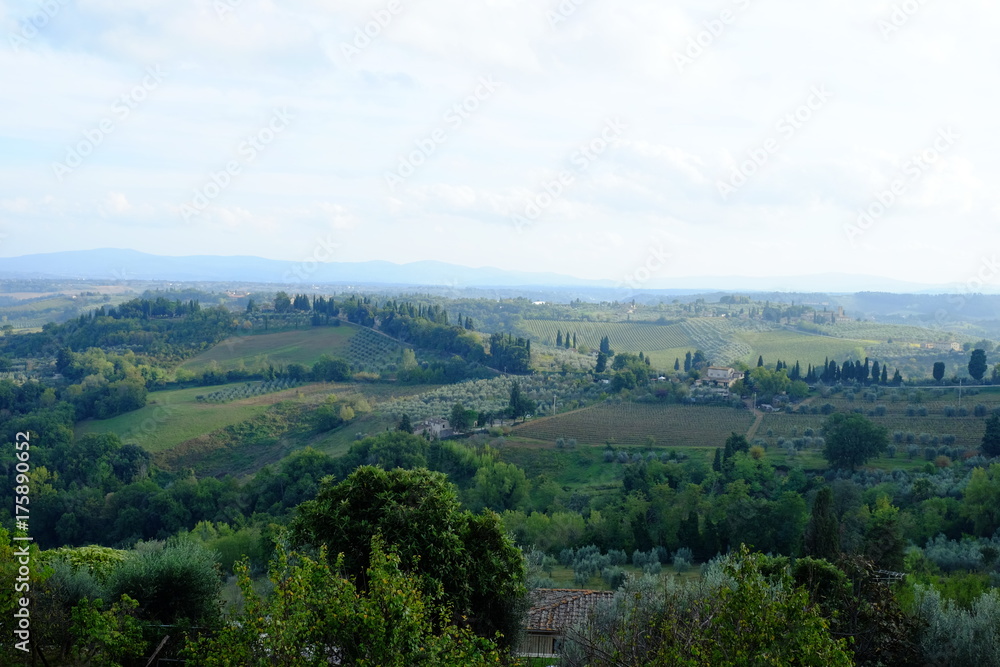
(555, 609)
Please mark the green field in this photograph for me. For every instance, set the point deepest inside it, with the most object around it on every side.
(303, 346)
(364, 349)
(623, 336)
(790, 346)
(896, 404)
(186, 433)
(633, 423)
(172, 417)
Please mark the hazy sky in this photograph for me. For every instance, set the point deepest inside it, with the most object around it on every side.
(631, 139)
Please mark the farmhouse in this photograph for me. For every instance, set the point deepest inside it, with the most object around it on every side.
(722, 376)
(553, 611)
(436, 427)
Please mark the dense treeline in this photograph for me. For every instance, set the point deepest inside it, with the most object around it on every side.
(177, 330)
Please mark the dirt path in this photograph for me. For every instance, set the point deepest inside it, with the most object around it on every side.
(752, 431)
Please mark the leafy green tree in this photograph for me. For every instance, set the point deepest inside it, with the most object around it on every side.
(282, 303)
(769, 382)
(938, 371)
(316, 616)
(991, 438)
(860, 606)
(977, 364)
(851, 440)
(982, 499)
(884, 544)
(956, 634)
(746, 612)
(329, 369)
(110, 637)
(417, 513)
(462, 419)
(498, 486)
(798, 390)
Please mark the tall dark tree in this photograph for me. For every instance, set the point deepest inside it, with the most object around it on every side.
(760, 360)
(823, 534)
(977, 364)
(885, 374)
(991, 438)
(602, 363)
(876, 371)
(404, 424)
(687, 362)
(687, 532)
(677, 363)
(605, 346)
(519, 405)
(897, 379)
(938, 371)
(558, 338)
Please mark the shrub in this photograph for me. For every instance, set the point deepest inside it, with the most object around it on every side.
(957, 636)
(613, 576)
(172, 583)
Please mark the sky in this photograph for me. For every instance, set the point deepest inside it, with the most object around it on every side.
(636, 141)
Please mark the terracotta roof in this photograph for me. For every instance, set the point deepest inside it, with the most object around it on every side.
(555, 609)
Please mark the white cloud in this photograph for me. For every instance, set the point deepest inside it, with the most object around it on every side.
(355, 118)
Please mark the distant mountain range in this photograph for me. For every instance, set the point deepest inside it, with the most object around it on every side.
(119, 264)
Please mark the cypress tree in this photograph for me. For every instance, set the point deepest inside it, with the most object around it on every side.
(823, 534)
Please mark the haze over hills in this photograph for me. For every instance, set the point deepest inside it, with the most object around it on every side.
(124, 264)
